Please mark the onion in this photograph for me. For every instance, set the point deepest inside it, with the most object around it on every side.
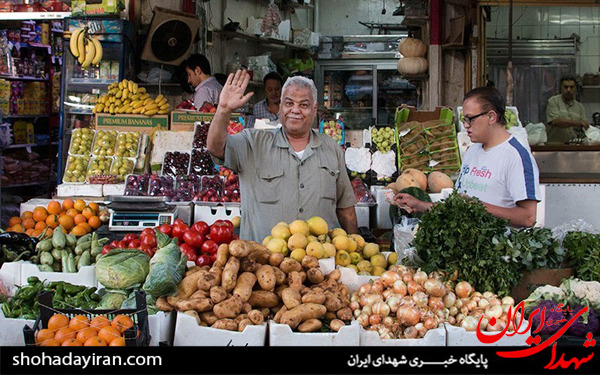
(420, 277)
(488, 295)
(506, 307)
(389, 278)
(373, 299)
(363, 320)
(460, 318)
(368, 309)
(387, 293)
(453, 310)
(420, 298)
(394, 302)
(495, 302)
(406, 277)
(421, 329)
(436, 303)
(484, 323)
(463, 289)
(354, 305)
(388, 321)
(471, 305)
(483, 303)
(377, 286)
(437, 275)
(430, 323)
(411, 333)
(442, 314)
(451, 320)
(412, 287)
(375, 319)
(469, 323)
(407, 300)
(459, 303)
(508, 301)
(494, 312)
(434, 288)
(354, 297)
(400, 287)
(385, 333)
(364, 289)
(478, 295)
(464, 310)
(356, 313)
(381, 308)
(408, 315)
(499, 326)
(449, 299)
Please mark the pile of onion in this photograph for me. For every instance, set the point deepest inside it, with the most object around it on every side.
(402, 304)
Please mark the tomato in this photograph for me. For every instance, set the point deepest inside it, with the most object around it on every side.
(114, 244)
(134, 244)
(201, 227)
(106, 249)
(148, 250)
(178, 231)
(149, 241)
(209, 247)
(189, 252)
(203, 260)
(130, 237)
(179, 222)
(122, 245)
(147, 232)
(166, 229)
(220, 232)
(193, 238)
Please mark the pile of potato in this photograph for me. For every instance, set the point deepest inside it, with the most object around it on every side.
(248, 284)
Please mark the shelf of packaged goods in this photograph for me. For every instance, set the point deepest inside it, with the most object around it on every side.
(24, 116)
(79, 112)
(87, 81)
(25, 78)
(57, 31)
(271, 41)
(26, 145)
(10, 16)
(33, 44)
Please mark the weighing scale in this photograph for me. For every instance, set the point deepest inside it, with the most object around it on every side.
(134, 214)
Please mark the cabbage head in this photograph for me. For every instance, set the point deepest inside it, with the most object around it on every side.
(123, 269)
(167, 269)
(112, 300)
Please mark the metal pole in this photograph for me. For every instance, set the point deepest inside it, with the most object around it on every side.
(509, 67)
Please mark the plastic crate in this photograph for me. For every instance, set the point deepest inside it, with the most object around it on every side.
(138, 315)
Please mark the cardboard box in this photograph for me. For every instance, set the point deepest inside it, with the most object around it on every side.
(125, 123)
(433, 337)
(183, 121)
(458, 336)
(282, 335)
(85, 276)
(113, 189)
(407, 114)
(539, 277)
(93, 8)
(189, 333)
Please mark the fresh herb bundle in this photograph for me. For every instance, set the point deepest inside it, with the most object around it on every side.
(530, 248)
(456, 235)
(583, 254)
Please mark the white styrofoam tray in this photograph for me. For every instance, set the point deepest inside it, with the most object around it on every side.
(85, 276)
(11, 330)
(210, 214)
(162, 327)
(282, 335)
(433, 337)
(189, 333)
(458, 336)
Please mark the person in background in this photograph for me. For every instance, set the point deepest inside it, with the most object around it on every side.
(268, 108)
(207, 89)
(288, 173)
(564, 114)
(497, 169)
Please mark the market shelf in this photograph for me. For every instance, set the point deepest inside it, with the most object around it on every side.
(271, 41)
(25, 145)
(39, 183)
(25, 78)
(88, 81)
(25, 116)
(7, 16)
(415, 20)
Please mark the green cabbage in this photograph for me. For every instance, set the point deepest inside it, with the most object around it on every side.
(112, 300)
(167, 269)
(123, 268)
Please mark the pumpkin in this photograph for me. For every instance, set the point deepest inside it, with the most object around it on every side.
(412, 65)
(438, 181)
(411, 47)
(417, 175)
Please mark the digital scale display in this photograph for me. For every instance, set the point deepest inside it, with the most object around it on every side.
(127, 221)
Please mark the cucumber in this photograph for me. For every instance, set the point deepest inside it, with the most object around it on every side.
(83, 246)
(85, 260)
(84, 238)
(59, 240)
(64, 260)
(71, 265)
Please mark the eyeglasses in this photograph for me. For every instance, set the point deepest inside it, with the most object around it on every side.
(469, 119)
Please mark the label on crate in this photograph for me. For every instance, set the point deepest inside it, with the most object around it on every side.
(134, 121)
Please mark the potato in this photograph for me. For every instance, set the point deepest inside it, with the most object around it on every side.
(240, 317)
(230, 308)
(260, 254)
(194, 314)
(163, 305)
(209, 317)
(315, 275)
(243, 324)
(206, 280)
(199, 294)
(291, 298)
(188, 285)
(302, 313)
(312, 297)
(246, 307)
(334, 275)
(217, 294)
(230, 274)
(295, 280)
(280, 289)
(289, 265)
(216, 271)
(222, 255)
(228, 324)
(275, 259)
(344, 290)
(240, 248)
(263, 298)
(280, 276)
(310, 262)
(191, 270)
(266, 277)
(199, 305)
(279, 314)
(333, 301)
(329, 315)
(310, 325)
(345, 314)
(256, 317)
(336, 325)
(244, 285)
(266, 312)
(248, 265)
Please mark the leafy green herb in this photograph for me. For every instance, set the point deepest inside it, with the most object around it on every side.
(456, 235)
(583, 254)
(531, 248)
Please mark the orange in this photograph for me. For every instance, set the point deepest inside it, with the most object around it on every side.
(35, 232)
(58, 321)
(51, 342)
(99, 322)
(94, 206)
(26, 215)
(88, 212)
(79, 205)
(14, 221)
(17, 228)
(95, 341)
(52, 221)
(43, 335)
(119, 341)
(64, 334)
(40, 214)
(109, 333)
(78, 230)
(72, 212)
(29, 232)
(72, 342)
(94, 222)
(86, 226)
(28, 223)
(49, 232)
(122, 322)
(66, 222)
(79, 322)
(79, 218)
(54, 207)
(86, 333)
(40, 225)
(67, 204)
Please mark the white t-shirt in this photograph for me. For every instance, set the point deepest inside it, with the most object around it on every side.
(503, 175)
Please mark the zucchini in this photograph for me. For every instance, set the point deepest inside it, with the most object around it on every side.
(46, 258)
(46, 268)
(83, 246)
(84, 238)
(59, 240)
(71, 240)
(44, 245)
(84, 260)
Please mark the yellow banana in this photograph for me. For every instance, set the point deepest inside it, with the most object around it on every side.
(137, 104)
(165, 106)
(112, 86)
(129, 110)
(111, 109)
(118, 103)
(161, 102)
(144, 96)
(151, 105)
(81, 46)
(158, 98)
(120, 85)
(148, 100)
(137, 110)
(125, 93)
(163, 111)
(99, 51)
(142, 90)
(135, 88)
(122, 109)
(73, 42)
(130, 86)
(90, 52)
(119, 93)
(134, 97)
(151, 112)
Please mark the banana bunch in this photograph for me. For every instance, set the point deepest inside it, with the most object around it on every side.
(126, 97)
(86, 49)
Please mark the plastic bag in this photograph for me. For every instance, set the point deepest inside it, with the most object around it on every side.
(384, 164)
(358, 159)
(560, 232)
(361, 191)
(521, 135)
(593, 135)
(536, 134)
(404, 233)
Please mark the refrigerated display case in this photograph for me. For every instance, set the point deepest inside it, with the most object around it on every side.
(81, 88)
